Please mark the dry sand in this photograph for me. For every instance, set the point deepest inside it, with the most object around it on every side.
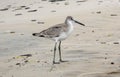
(91, 51)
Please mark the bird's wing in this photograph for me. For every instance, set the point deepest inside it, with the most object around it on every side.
(54, 31)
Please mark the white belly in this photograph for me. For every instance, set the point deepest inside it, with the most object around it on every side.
(64, 35)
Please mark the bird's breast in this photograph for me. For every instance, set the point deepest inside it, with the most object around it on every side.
(70, 29)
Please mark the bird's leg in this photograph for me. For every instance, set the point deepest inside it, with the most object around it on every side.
(59, 47)
(54, 52)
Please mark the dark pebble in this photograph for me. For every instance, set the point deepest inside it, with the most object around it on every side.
(116, 43)
(55, 0)
(33, 20)
(100, 1)
(45, 61)
(103, 42)
(99, 12)
(53, 11)
(18, 63)
(27, 55)
(112, 63)
(27, 7)
(13, 57)
(97, 40)
(43, 0)
(93, 31)
(26, 61)
(77, 34)
(40, 22)
(113, 15)
(32, 10)
(38, 61)
(4, 9)
(22, 6)
(105, 57)
(114, 72)
(81, 1)
(18, 14)
(21, 34)
(12, 32)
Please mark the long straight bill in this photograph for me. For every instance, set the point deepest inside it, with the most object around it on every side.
(79, 23)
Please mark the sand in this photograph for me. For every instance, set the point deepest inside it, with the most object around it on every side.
(90, 51)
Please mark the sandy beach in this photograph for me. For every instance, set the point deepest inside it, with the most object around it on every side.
(90, 51)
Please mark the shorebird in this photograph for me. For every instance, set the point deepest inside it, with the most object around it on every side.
(58, 33)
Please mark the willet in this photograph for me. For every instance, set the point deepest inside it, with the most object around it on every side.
(58, 33)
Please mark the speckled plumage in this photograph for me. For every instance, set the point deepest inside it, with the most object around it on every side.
(54, 31)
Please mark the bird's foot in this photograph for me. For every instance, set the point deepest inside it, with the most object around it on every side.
(63, 61)
(56, 62)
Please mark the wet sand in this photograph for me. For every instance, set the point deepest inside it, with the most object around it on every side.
(91, 51)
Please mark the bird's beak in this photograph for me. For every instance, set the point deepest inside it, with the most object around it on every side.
(79, 23)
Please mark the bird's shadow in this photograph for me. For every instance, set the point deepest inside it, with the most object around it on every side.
(72, 54)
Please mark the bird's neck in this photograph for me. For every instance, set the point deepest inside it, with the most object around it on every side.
(70, 26)
(69, 23)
